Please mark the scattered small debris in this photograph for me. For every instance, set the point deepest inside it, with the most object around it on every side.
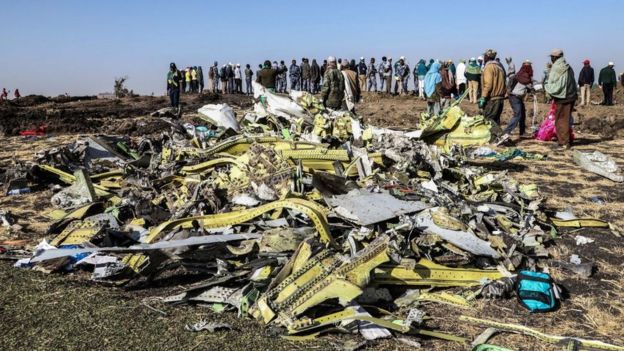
(206, 325)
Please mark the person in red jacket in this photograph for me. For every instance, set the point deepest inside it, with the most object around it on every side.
(4, 95)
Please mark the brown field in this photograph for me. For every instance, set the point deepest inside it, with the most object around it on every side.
(44, 312)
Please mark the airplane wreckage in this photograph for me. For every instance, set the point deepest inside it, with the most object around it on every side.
(305, 218)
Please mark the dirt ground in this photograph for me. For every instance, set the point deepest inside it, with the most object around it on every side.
(41, 311)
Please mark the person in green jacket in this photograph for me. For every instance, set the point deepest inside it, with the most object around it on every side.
(607, 81)
(473, 75)
(561, 86)
(332, 93)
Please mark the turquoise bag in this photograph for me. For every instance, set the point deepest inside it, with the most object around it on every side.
(536, 291)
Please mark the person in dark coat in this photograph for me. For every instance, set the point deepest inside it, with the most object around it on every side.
(607, 81)
(586, 81)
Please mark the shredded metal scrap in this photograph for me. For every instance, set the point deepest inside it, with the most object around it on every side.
(294, 214)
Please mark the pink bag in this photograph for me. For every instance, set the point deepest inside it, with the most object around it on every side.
(547, 130)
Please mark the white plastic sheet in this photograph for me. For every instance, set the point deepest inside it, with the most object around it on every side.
(278, 105)
(221, 115)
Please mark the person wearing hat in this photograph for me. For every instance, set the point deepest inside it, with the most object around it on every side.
(473, 75)
(173, 85)
(332, 93)
(561, 86)
(586, 81)
(461, 77)
(361, 71)
(607, 81)
(493, 87)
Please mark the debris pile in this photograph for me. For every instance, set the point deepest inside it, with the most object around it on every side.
(297, 216)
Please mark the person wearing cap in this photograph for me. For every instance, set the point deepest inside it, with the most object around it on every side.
(294, 73)
(493, 87)
(473, 76)
(173, 85)
(362, 69)
(607, 81)
(371, 75)
(561, 86)
(586, 81)
(460, 75)
(332, 93)
(520, 84)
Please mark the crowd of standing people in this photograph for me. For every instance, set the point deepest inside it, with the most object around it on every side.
(484, 80)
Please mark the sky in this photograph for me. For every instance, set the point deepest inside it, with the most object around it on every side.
(79, 47)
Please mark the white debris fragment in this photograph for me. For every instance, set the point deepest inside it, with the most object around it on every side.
(575, 259)
(583, 240)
